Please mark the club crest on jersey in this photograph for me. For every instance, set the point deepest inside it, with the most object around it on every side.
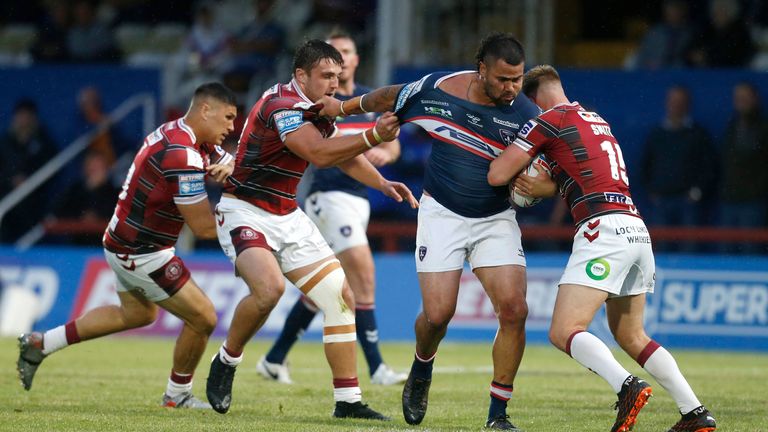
(507, 137)
(346, 230)
(248, 234)
(422, 252)
(173, 271)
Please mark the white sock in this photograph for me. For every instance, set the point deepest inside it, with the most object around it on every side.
(174, 389)
(347, 394)
(663, 368)
(594, 355)
(54, 340)
(228, 359)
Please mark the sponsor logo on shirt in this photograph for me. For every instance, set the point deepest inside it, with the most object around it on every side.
(506, 123)
(474, 120)
(191, 184)
(442, 112)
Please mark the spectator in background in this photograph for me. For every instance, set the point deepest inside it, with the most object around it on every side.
(206, 45)
(90, 40)
(744, 186)
(726, 41)
(24, 148)
(91, 199)
(51, 42)
(678, 165)
(665, 43)
(256, 47)
(90, 115)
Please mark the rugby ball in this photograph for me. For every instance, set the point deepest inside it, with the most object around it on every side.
(521, 200)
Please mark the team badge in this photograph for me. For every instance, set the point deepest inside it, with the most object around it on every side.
(346, 230)
(422, 252)
(173, 271)
(507, 136)
(598, 269)
(248, 234)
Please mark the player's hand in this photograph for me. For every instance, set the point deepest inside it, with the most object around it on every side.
(220, 172)
(388, 127)
(539, 186)
(330, 106)
(378, 157)
(398, 192)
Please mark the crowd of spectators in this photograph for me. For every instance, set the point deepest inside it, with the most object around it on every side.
(689, 179)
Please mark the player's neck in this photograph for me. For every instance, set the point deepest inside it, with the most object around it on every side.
(346, 88)
(192, 122)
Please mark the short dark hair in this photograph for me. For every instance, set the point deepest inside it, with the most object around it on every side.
(25, 104)
(533, 78)
(312, 51)
(217, 91)
(500, 46)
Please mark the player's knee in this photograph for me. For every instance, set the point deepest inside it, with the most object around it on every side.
(512, 313)
(205, 322)
(327, 289)
(438, 319)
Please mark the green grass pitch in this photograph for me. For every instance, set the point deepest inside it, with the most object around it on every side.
(116, 384)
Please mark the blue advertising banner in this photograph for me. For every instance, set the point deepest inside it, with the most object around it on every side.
(703, 302)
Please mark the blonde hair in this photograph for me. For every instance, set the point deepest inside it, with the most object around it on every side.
(536, 75)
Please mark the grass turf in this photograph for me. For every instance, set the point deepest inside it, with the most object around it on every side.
(116, 384)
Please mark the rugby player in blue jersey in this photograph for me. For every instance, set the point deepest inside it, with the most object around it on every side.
(472, 116)
(338, 205)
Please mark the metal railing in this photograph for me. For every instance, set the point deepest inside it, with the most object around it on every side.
(146, 101)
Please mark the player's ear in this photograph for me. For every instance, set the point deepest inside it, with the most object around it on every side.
(301, 76)
(482, 70)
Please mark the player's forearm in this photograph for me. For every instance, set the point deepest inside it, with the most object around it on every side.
(379, 100)
(360, 169)
(333, 151)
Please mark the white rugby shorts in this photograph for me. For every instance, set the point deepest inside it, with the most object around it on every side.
(156, 276)
(444, 239)
(342, 218)
(293, 239)
(612, 253)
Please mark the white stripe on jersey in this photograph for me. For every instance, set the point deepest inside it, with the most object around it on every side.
(459, 138)
(523, 144)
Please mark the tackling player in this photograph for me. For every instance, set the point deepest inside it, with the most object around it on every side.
(164, 188)
(612, 260)
(338, 205)
(266, 235)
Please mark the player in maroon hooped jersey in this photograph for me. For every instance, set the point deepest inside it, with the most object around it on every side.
(612, 260)
(164, 188)
(267, 237)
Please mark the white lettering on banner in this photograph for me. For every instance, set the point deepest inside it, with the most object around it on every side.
(43, 281)
(729, 303)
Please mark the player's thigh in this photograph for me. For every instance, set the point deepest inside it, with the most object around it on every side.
(442, 238)
(575, 307)
(261, 272)
(191, 305)
(439, 294)
(137, 310)
(340, 217)
(495, 241)
(506, 287)
(358, 265)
